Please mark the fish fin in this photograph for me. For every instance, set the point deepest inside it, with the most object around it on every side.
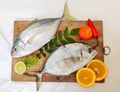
(35, 20)
(31, 73)
(60, 78)
(66, 14)
(38, 81)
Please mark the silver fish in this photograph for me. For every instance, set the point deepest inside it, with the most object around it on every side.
(34, 36)
(37, 34)
(66, 60)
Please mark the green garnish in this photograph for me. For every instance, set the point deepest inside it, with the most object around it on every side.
(51, 44)
(74, 31)
(30, 61)
(46, 48)
(54, 42)
(66, 35)
(42, 52)
(61, 39)
(38, 55)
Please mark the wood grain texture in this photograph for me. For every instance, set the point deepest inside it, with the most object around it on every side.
(20, 25)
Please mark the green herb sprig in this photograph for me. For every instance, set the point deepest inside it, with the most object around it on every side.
(55, 42)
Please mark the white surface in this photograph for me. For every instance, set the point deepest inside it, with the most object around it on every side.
(106, 10)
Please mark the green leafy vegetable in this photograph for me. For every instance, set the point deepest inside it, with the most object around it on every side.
(46, 48)
(51, 44)
(70, 40)
(66, 35)
(74, 31)
(38, 55)
(56, 41)
(30, 61)
(42, 52)
(61, 39)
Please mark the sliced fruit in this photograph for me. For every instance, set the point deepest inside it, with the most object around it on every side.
(20, 67)
(99, 68)
(85, 77)
(85, 32)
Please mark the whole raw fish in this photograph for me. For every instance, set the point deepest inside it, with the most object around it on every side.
(66, 60)
(37, 34)
(34, 36)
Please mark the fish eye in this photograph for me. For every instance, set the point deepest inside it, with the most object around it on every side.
(15, 49)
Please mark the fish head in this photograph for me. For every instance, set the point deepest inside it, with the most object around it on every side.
(18, 48)
(88, 52)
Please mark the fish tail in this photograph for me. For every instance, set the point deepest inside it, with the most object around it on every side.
(38, 78)
(35, 20)
(66, 14)
(31, 73)
(38, 81)
(60, 78)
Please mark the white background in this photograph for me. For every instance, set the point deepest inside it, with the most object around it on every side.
(106, 10)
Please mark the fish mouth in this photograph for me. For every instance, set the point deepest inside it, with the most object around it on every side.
(12, 53)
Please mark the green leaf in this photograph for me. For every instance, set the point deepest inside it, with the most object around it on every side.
(56, 42)
(46, 48)
(61, 39)
(74, 31)
(38, 56)
(66, 35)
(51, 44)
(42, 53)
(70, 40)
(50, 50)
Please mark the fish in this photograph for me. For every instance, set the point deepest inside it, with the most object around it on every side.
(66, 59)
(34, 36)
(37, 34)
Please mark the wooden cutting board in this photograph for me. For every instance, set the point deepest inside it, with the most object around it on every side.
(20, 25)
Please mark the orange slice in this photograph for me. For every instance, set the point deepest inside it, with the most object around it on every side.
(85, 77)
(99, 68)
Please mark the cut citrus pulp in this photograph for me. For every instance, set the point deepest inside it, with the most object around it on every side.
(85, 77)
(20, 67)
(99, 68)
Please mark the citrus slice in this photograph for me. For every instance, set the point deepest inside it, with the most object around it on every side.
(99, 68)
(20, 67)
(85, 77)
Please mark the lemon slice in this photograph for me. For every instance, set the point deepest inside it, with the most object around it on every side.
(20, 67)
(85, 77)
